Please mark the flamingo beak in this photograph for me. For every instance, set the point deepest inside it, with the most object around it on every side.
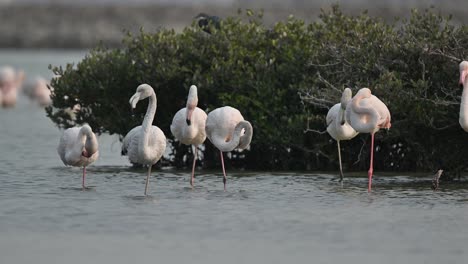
(85, 154)
(190, 109)
(342, 117)
(134, 100)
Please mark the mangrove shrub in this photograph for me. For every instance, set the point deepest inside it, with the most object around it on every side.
(284, 78)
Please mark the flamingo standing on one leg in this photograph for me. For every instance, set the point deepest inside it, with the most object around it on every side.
(464, 99)
(227, 130)
(337, 125)
(188, 126)
(367, 114)
(10, 82)
(78, 147)
(145, 144)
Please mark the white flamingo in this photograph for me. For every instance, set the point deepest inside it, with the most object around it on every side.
(78, 147)
(464, 99)
(145, 144)
(10, 82)
(227, 130)
(367, 114)
(337, 125)
(188, 126)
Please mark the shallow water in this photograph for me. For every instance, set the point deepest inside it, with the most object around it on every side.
(261, 218)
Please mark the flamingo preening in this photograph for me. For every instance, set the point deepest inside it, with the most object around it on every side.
(227, 130)
(337, 125)
(367, 114)
(188, 126)
(78, 147)
(145, 144)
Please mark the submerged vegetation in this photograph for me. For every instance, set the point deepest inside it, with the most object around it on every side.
(284, 79)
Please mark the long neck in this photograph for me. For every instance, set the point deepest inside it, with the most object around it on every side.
(464, 107)
(91, 144)
(148, 122)
(366, 119)
(237, 141)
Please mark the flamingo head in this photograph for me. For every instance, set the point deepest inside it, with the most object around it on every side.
(90, 147)
(463, 71)
(346, 97)
(364, 93)
(142, 92)
(192, 102)
(85, 154)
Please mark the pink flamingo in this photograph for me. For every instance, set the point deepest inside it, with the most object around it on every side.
(227, 130)
(145, 144)
(78, 147)
(367, 114)
(10, 82)
(464, 99)
(188, 126)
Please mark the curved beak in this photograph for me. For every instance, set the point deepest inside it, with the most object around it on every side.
(134, 100)
(189, 116)
(342, 117)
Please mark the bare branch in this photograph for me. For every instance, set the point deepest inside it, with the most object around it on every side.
(323, 65)
(328, 83)
(315, 131)
(438, 52)
(360, 153)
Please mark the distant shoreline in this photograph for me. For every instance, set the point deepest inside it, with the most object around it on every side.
(57, 26)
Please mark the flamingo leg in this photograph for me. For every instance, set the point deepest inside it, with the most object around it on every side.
(147, 179)
(195, 151)
(224, 171)
(371, 167)
(83, 186)
(339, 158)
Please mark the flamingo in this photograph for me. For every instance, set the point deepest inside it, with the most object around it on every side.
(367, 114)
(188, 126)
(464, 99)
(78, 147)
(39, 90)
(337, 125)
(145, 144)
(227, 130)
(10, 82)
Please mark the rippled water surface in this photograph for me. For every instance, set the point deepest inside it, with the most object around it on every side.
(261, 218)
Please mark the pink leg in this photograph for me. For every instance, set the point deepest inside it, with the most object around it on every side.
(83, 179)
(224, 171)
(371, 168)
(193, 166)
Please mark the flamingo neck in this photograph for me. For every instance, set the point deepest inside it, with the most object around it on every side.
(464, 107)
(237, 140)
(88, 141)
(367, 118)
(148, 122)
